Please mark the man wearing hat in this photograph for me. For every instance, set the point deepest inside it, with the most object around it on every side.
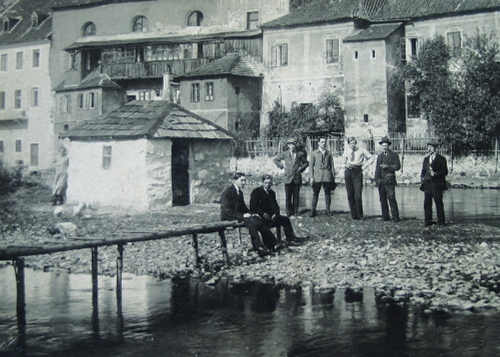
(434, 172)
(294, 162)
(385, 179)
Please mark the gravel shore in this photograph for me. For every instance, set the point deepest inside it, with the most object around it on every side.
(440, 268)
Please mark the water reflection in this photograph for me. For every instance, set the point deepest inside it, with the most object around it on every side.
(461, 205)
(188, 318)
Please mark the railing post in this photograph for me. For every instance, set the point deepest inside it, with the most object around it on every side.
(119, 277)
(21, 302)
(95, 297)
(195, 246)
(223, 243)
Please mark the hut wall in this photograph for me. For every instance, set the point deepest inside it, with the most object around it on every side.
(159, 168)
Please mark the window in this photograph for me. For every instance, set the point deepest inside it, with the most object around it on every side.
(64, 103)
(19, 146)
(91, 100)
(413, 107)
(34, 154)
(145, 95)
(195, 92)
(365, 118)
(17, 98)
(413, 47)
(123, 54)
(79, 101)
(252, 20)
(373, 53)
(2, 148)
(195, 19)
(140, 24)
(36, 58)
(67, 61)
(3, 62)
(65, 127)
(402, 48)
(209, 89)
(88, 29)
(2, 100)
(279, 55)
(454, 43)
(34, 97)
(332, 51)
(356, 55)
(106, 157)
(19, 60)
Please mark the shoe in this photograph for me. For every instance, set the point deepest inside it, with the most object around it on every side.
(428, 224)
(386, 219)
(299, 239)
(441, 224)
(279, 246)
(292, 243)
(313, 214)
(263, 251)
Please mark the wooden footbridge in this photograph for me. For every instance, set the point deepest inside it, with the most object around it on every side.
(17, 253)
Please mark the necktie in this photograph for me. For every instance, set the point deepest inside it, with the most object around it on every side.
(353, 156)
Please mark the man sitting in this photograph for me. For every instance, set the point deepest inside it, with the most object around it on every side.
(263, 202)
(233, 208)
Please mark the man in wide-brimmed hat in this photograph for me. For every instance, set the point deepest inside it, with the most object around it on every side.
(294, 162)
(385, 179)
(434, 172)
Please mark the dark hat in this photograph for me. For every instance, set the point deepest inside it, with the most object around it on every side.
(385, 139)
(291, 141)
(433, 143)
(351, 139)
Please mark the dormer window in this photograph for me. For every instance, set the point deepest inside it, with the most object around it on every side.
(9, 23)
(140, 24)
(88, 29)
(34, 20)
(195, 19)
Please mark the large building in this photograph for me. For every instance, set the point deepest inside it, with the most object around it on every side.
(141, 45)
(26, 121)
(354, 48)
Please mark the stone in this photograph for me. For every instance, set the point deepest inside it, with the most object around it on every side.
(67, 228)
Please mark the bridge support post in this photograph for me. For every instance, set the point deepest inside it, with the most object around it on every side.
(223, 243)
(196, 251)
(21, 302)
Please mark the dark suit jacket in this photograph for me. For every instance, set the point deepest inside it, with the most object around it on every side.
(440, 167)
(232, 205)
(293, 170)
(387, 175)
(262, 202)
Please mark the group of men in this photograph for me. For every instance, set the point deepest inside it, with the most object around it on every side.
(264, 211)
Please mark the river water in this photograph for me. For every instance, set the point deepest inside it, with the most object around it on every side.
(189, 318)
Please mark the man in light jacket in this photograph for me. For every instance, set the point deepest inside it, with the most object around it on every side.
(323, 175)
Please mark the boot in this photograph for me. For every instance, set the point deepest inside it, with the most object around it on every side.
(314, 205)
(328, 201)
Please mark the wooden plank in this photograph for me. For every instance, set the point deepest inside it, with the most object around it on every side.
(13, 251)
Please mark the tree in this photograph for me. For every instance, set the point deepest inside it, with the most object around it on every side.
(326, 116)
(459, 96)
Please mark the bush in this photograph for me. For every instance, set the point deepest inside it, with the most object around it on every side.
(12, 178)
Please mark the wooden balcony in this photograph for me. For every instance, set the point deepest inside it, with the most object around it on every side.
(152, 69)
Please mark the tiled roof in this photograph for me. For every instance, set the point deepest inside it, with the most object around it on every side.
(63, 4)
(151, 119)
(374, 32)
(327, 11)
(231, 64)
(94, 80)
(19, 15)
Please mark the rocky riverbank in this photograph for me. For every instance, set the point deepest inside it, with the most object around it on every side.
(449, 268)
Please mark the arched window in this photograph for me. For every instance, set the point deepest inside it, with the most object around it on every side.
(195, 19)
(140, 24)
(88, 29)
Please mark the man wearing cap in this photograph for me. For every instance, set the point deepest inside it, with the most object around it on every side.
(233, 208)
(322, 175)
(356, 160)
(434, 172)
(385, 179)
(294, 162)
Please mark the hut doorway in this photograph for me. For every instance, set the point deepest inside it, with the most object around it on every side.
(180, 173)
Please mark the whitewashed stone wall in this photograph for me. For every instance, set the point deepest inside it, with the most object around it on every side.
(124, 184)
(159, 168)
(209, 169)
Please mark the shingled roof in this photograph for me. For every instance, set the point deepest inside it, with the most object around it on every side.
(19, 16)
(148, 119)
(328, 11)
(95, 79)
(374, 32)
(231, 64)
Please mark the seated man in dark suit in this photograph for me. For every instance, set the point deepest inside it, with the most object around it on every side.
(233, 208)
(263, 202)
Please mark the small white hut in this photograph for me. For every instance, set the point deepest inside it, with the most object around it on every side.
(148, 155)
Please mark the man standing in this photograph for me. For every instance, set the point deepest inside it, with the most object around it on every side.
(385, 179)
(233, 208)
(294, 162)
(356, 160)
(322, 175)
(434, 172)
(263, 202)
